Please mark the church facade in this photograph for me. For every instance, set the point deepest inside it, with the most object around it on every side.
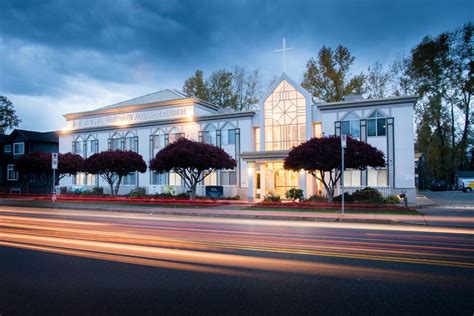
(258, 139)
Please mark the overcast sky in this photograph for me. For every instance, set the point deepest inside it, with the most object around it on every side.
(58, 57)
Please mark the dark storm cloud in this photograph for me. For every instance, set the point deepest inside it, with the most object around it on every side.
(42, 43)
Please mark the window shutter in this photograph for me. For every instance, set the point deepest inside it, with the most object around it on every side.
(74, 144)
(218, 138)
(110, 144)
(200, 137)
(135, 141)
(337, 128)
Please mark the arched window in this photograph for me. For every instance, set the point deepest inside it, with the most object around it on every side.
(175, 134)
(159, 141)
(92, 146)
(78, 146)
(130, 142)
(228, 134)
(115, 142)
(351, 125)
(376, 124)
(209, 135)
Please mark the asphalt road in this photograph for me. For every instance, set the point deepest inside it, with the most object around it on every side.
(64, 262)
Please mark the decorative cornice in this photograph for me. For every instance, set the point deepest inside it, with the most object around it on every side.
(129, 108)
(163, 122)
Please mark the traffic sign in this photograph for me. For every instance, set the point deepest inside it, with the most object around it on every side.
(54, 161)
(343, 141)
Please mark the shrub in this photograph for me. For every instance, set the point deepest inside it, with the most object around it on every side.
(317, 198)
(272, 198)
(347, 198)
(294, 194)
(368, 195)
(392, 199)
(97, 191)
(166, 195)
(137, 192)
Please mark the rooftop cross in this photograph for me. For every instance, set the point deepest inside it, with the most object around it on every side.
(284, 50)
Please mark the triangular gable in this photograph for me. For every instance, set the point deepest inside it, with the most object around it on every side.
(284, 77)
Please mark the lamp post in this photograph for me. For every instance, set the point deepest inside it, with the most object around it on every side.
(343, 146)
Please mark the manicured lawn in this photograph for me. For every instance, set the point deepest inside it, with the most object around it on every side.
(333, 211)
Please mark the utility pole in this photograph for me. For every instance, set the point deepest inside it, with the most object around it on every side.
(54, 166)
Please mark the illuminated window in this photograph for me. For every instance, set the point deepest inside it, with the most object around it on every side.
(284, 118)
(257, 138)
(377, 177)
(318, 132)
(352, 178)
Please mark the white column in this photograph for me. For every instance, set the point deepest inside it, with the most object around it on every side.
(251, 176)
(302, 182)
(263, 176)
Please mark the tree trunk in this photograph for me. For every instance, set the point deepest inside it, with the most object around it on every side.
(117, 186)
(330, 195)
(111, 189)
(192, 195)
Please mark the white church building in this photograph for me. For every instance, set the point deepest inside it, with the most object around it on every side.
(258, 139)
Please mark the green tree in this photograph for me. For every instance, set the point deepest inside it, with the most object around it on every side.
(441, 72)
(328, 77)
(220, 89)
(377, 80)
(195, 86)
(246, 88)
(8, 117)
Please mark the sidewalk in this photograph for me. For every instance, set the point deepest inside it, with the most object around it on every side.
(236, 211)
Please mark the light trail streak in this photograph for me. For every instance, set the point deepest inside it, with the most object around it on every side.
(228, 246)
(254, 222)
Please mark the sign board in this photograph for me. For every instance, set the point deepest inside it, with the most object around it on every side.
(343, 141)
(132, 117)
(214, 190)
(54, 160)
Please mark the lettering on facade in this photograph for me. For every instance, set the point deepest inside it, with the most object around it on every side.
(132, 118)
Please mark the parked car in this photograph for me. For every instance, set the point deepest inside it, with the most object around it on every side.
(438, 185)
(467, 185)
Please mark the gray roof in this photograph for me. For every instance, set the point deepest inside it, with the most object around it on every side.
(47, 137)
(366, 102)
(160, 96)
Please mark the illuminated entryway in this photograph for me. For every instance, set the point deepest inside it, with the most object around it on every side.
(279, 180)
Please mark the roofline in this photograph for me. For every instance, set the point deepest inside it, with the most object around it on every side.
(366, 102)
(179, 102)
(161, 122)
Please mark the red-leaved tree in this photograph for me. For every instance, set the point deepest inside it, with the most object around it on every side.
(113, 165)
(321, 157)
(192, 161)
(38, 165)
